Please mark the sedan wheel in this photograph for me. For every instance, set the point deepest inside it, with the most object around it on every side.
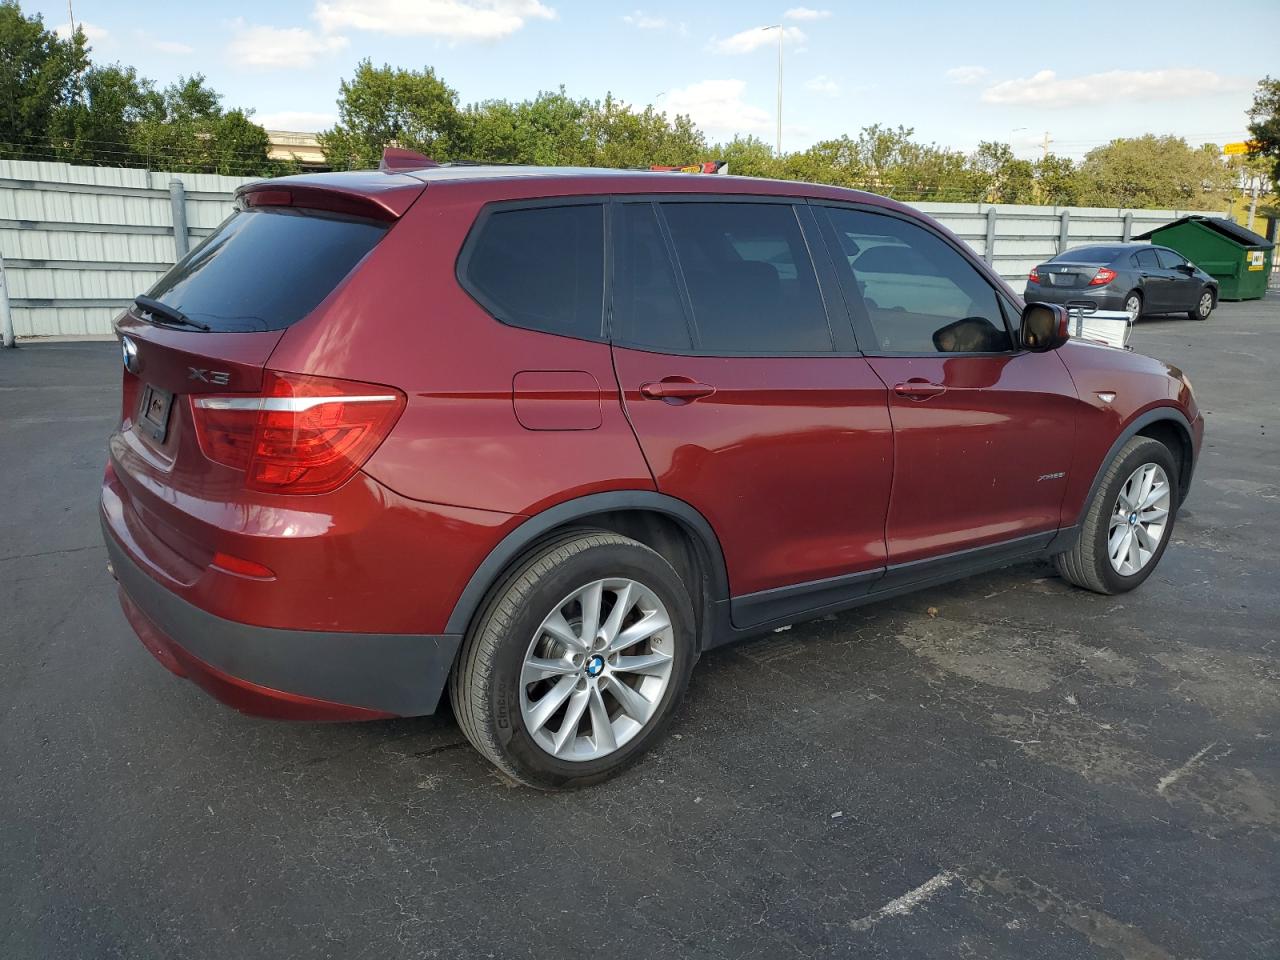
(1204, 307)
(1138, 519)
(1133, 306)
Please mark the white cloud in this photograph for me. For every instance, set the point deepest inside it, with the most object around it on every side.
(1045, 89)
(824, 85)
(277, 47)
(963, 76)
(92, 32)
(296, 121)
(717, 106)
(451, 19)
(755, 38)
(172, 46)
(806, 13)
(642, 21)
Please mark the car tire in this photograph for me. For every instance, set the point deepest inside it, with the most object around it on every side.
(1129, 297)
(1204, 305)
(517, 653)
(1091, 563)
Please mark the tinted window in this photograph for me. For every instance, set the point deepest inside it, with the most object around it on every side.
(750, 280)
(646, 300)
(265, 269)
(1168, 259)
(1147, 260)
(542, 268)
(920, 295)
(1090, 255)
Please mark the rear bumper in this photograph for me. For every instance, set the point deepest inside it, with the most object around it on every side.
(1095, 298)
(286, 674)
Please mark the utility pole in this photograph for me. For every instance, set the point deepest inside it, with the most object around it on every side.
(71, 18)
(1253, 200)
(1045, 144)
(781, 33)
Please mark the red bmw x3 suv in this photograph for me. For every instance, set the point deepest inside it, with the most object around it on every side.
(541, 437)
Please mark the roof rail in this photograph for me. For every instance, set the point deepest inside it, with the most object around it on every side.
(397, 158)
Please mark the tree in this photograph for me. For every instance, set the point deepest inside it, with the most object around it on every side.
(384, 105)
(184, 128)
(1154, 172)
(1001, 176)
(549, 129)
(1056, 181)
(39, 73)
(1264, 125)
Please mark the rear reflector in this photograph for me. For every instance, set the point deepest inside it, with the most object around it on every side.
(245, 568)
(301, 434)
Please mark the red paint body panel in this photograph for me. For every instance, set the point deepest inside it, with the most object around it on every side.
(1140, 384)
(974, 464)
(790, 459)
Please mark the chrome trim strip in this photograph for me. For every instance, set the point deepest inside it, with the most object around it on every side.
(287, 404)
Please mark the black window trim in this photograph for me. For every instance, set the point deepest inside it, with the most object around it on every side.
(862, 327)
(463, 260)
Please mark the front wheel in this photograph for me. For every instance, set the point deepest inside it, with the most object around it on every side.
(1204, 306)
(577, 662)
(1128, 523)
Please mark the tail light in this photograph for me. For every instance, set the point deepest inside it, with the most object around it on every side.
(1034, 275)
(1102, 277)
(301, 434)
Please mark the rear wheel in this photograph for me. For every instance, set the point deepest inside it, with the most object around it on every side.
(1128, 523)
(1133, 304)
(1204, 306)
(577, 663)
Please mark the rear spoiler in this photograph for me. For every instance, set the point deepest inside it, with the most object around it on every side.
(366, 194)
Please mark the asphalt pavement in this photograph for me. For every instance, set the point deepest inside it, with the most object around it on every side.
(1006, 767)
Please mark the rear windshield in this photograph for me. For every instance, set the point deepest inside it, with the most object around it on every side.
(1090, 255)
(265, 269)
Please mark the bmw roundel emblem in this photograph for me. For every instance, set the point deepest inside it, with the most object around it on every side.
(595, 666)
(129, 354)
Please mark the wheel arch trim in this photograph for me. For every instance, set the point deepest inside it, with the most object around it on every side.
(1131, 430)
(519, 540)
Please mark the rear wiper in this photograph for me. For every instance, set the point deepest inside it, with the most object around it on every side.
(163, 313)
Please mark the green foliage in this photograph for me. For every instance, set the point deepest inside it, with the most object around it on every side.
(57, 105)
(1154, 172)
(390, 105)
(1264, 125)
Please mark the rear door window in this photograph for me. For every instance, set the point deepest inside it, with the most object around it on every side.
(1168, 259)
(541, 268)
(919, 294)
(749, 276)
(647, 308)
(266, 269)
(1147, 260)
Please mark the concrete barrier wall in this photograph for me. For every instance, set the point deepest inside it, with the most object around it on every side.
(80, 242)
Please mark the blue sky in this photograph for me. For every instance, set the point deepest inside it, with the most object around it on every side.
(958, 73)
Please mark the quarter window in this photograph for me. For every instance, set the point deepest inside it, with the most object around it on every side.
(541, 268)
(750, 279)
(920, 295)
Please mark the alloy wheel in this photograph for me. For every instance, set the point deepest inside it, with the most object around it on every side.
(597, 669)
(1132, 306)
(1206, 304)
(1139, 519)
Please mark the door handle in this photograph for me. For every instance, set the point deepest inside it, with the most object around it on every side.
(918, 389)
(676, 389)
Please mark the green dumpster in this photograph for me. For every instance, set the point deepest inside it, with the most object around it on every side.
(1239, 259)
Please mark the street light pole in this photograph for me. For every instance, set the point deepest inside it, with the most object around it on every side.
(781, 34)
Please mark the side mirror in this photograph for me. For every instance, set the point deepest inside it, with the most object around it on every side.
(1187, 268)
(1045, 327)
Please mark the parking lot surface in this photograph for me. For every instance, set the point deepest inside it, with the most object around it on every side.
(1006, 767)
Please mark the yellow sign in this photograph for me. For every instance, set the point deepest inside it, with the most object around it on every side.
(1255, 259)
(1240, 149)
